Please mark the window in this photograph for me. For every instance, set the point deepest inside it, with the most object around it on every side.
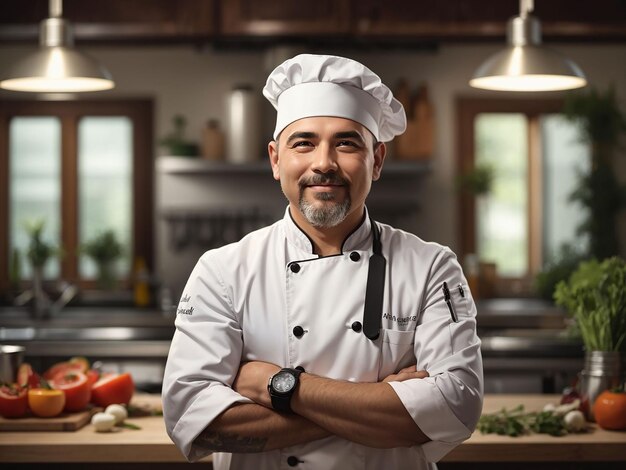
(535, 154)
(81, 167)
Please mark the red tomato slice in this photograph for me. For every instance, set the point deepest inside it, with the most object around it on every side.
(92, 377)
(114, 388)
(76, 387)
(26, 377)
(13, 401)
(63, 367)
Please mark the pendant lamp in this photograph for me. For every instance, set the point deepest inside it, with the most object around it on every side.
(526, 65)
(57, 66)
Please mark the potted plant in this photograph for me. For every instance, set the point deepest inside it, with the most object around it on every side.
(176, 143)
(603, 124)
(104, 249)
(479, 180)
(38, 253)
(595, 296)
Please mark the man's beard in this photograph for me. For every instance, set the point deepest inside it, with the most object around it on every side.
(331, 213)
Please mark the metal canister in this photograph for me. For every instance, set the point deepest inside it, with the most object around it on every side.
(603, 370)
(244, 125)
(11, 358)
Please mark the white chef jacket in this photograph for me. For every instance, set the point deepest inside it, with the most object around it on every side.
(244, 301)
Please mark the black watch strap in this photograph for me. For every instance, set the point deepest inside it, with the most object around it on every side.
(282, 401)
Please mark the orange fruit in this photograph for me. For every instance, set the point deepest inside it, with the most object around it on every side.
(46, 403)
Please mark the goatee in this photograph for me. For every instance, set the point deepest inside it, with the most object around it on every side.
(330, 213)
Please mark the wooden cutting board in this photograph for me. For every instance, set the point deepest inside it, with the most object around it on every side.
(63, 422)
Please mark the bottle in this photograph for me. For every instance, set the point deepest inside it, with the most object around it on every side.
(141, 286)
(212, 141)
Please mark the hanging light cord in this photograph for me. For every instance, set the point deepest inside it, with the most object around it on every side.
(56, 8)
(525, 7)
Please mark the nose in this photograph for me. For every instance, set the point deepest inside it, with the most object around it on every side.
(324, 160)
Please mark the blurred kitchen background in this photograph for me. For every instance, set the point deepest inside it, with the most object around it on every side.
(108, 198)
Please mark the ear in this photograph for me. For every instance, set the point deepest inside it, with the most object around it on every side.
(380, 152)
(272, 151)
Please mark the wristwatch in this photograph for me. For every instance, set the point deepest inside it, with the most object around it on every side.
(282, 386)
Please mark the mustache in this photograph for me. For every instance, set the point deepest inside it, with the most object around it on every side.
(321, 179)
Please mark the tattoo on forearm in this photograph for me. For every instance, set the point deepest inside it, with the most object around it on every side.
(219, 442)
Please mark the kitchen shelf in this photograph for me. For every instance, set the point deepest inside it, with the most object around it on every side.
(197, 166)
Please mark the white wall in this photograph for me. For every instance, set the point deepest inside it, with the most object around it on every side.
(196, 84)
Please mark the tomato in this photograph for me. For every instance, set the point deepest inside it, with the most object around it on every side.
(76, 387)
(26, 377)
(92, 377)
(83, 361)
(46, 403)
(63, 367)
(609, 410)
(113, 388)
(13, 401)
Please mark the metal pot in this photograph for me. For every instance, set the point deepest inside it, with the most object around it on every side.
(603, 370)
(11, 358)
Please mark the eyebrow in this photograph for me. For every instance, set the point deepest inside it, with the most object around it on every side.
(301, 135)
(350, 135)
(338, 135)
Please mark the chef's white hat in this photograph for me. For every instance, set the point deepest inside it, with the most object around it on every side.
(310, 85)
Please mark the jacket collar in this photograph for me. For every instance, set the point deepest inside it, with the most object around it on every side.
(359, 239)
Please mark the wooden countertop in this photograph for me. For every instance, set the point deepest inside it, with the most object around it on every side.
(151, 443)
(594, 446)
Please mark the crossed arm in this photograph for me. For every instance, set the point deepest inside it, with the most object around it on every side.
(367, 413)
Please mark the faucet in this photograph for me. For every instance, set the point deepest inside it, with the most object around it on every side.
(41, 306)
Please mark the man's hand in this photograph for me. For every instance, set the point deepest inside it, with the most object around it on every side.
(252, 379)
(407, 373)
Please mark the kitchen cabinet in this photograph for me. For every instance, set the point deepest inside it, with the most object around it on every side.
(285, 17)
(359, 21)
(115, 20)
(400, 20)
(467, 19)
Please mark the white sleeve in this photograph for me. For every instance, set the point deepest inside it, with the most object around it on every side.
(447, 404)
(203, 360)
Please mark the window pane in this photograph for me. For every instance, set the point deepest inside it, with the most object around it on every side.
(564, 157)
(105, 146)
(502, 224)
(35, 192)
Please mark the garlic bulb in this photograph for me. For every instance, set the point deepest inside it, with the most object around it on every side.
(103, 422)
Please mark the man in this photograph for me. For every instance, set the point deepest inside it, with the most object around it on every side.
(327, 340)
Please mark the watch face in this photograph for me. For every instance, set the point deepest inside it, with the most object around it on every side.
(283, 382)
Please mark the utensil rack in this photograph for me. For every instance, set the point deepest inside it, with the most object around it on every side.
(214, 227)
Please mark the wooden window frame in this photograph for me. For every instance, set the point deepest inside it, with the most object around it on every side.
(467, 109)
(140, 111)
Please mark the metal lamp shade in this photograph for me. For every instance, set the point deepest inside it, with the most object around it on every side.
(528, 68)
(57, 66)
(57, 69)
(525, 64)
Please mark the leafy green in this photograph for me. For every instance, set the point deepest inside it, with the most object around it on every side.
(479, 180)
(103, 247)
(595, 295)
(515, 422)
(39, 250)
(603, 124)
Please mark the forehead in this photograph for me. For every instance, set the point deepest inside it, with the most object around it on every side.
(325, 126)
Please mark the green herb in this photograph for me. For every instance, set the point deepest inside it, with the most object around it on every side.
(516, 422)
(595, 295)
(143, 410)
(129, 426)
(39, 251)
(546, 422)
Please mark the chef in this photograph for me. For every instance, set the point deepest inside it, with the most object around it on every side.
(327, 340)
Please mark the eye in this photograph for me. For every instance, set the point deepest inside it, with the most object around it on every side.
(301, 143)
(348, 145)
